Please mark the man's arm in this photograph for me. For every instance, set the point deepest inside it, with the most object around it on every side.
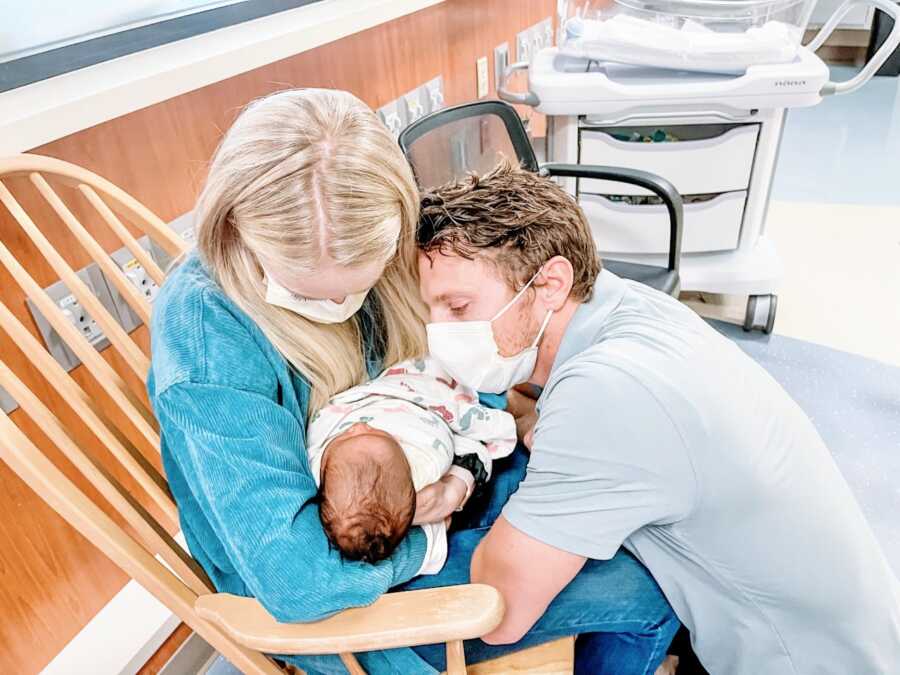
(527, 572)
(607, 460)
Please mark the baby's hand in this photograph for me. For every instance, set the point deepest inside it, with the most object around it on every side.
(439, 500)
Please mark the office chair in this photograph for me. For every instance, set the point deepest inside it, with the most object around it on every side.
(472, 137)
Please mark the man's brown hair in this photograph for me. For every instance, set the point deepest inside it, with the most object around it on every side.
(515, 219)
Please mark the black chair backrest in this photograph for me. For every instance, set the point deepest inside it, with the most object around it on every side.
(450, 143)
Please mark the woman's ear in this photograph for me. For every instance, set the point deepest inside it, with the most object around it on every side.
(555, 282)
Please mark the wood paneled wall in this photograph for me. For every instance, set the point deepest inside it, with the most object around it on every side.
(52, 582)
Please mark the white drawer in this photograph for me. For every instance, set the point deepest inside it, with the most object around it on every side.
(713, 225)
(704, 166)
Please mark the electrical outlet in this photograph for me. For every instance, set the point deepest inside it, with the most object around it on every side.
(137, 275)
(7, 402)
(541, 35)
(393, 115)
(435, 89)
(413, 105)
(523, 46)
(417, 104)
(183, 226)
(545, 28)
(537, 39)
(501, 61)
(73, 310)
(78, 317)
(481, 76)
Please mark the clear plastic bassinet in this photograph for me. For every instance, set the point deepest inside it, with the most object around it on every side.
(719, 36)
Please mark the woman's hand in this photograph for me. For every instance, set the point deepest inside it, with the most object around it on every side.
(438, 501)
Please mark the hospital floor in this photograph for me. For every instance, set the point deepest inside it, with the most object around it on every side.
(835, 218)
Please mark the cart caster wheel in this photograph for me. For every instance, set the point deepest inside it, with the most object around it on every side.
(761, 313)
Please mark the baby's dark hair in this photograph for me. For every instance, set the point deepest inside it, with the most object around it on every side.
(366, 504)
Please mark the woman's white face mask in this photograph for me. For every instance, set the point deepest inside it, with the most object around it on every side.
(469, 353)
(314, 309)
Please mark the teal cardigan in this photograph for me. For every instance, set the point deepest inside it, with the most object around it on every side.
(232, 416)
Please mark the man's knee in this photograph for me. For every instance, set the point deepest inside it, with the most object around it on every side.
(664, 627)
(636, 649)
(659, 626)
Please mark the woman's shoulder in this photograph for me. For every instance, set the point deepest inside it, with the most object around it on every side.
(199, 335)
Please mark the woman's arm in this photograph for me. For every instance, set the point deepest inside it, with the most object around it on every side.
(244, 458)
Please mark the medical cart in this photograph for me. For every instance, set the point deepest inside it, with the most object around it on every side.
(714, 135)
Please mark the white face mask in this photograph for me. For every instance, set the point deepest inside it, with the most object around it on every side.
(320, 311)
(468, 352)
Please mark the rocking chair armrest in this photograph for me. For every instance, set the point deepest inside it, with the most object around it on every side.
(404, 619)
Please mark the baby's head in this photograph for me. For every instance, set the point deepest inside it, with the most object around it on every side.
(367, 498)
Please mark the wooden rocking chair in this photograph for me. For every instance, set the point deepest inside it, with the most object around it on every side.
(137, 534)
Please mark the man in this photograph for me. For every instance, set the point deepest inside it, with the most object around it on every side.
(654, 433)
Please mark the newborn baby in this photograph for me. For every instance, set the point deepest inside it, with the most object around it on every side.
(372, 447)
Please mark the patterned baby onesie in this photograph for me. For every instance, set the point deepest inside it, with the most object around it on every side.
(430, 415)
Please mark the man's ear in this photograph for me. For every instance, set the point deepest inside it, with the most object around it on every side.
(555, 282)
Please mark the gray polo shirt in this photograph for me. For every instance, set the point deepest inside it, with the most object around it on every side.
(660, 435)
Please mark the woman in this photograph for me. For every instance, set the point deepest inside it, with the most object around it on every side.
(303, 285)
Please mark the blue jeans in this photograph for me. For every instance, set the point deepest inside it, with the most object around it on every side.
(622, 619)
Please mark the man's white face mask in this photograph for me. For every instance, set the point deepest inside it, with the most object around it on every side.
(469, 353)
(320, 311)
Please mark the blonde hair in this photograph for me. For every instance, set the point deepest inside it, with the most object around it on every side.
(306, 175)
